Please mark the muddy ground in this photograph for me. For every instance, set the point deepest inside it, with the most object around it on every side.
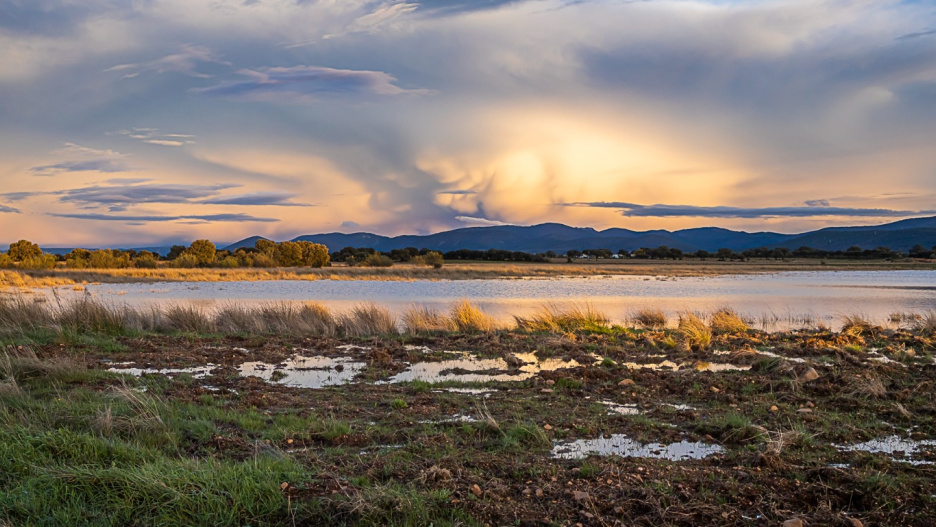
(757, 429)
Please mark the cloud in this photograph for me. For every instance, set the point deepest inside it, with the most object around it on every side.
(154, 137)
(349, 225)
(480, 222)
(669, 211)
(280, 199)
(458, 192)
(145, 193)
(817, 203)
(308, 83)
(207, 218)
(917, 34)
(105, 165)
(18, 196)
(185, 61)
(5, 208)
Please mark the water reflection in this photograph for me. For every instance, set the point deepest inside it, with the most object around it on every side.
(306, 372)
(621, 445)
(772, 301)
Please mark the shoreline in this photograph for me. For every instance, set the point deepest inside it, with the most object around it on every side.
(451, 271)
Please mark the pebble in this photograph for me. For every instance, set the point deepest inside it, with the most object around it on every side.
(774, 409)
(476, 490)
(538, 493)
(550, 382)
(527, 492)
(547, 427)
(626, 382)
(714, 389)
(804, 411)
(855, 522)
(796, 522)
(546, 390)
(810, 375)
(579, 495)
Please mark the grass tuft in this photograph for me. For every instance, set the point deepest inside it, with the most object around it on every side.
(467, 318)
(552, 318)
(650, 318)
(726, 321)
(419, 320)
(695, 333)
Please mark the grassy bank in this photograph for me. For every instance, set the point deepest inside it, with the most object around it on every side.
(451, 271)
(83, 445)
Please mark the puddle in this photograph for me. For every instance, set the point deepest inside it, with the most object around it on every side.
(669, 365)
(353, 347)
(621, 409)
(897, 448)
(469, 368)
(199, 373)
(469, 391)
(305, 372)
(776, 356)
(621, 445)
(457, 418)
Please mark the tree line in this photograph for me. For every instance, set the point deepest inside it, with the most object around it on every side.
(24, 254)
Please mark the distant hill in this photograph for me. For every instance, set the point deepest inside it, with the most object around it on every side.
(246, 242)
(900, 236)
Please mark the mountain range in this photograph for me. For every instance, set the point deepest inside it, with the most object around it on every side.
(899, 236)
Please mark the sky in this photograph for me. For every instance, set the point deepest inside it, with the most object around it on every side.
(140, 122)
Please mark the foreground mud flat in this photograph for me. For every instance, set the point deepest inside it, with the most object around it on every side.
(610, 427)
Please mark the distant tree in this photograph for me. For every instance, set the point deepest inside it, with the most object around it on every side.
(725, 254)
(702, 255)
(175, 251)
(78, 259)
(203, 251)
(145, 260)
(266, 247)
(288, 254)
(23, 250)
(314, 254)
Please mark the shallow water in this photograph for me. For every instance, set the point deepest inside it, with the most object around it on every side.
(780, 300)
(306, 372)
(621, 445)
(469, 368)
(897, 448)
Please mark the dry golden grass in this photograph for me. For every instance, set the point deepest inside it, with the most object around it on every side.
(695, 333)
(367, 320)
(650, 318)
(467, 318)
(420, 320)
(726, 321)
(553, 318)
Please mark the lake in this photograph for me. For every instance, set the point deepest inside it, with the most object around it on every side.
(778, 300)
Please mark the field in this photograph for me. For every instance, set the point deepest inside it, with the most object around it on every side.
(451, 271)
(456, 422)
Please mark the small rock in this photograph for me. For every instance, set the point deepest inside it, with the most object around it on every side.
(576, 470)
(579, 495)
(795, 522)
(810, 404)
(550, 382)
(810, 375)
(547, 427)
(804, 411)
(714, 389)
(855, 522)
(538, 493)
(774, 409)
(476, 490)
(527, 492)
(626, 382)
(546, 390)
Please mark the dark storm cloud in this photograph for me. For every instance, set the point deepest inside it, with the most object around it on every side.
(91, 165)
(689, 211)
(304, 83)
(280, 199)
(235, 218)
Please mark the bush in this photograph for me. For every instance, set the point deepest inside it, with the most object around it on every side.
(377, 260)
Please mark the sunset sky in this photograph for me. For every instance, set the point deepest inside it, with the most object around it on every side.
(133, 122)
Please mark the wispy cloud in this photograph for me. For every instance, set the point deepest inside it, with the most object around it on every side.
(280, 199)
(105, 165)
(458, 192)
(917, 34)
(154, 137)
(185, 61)
(668, 211)
(308, 83)
(235, 218)
(123, 195)
(8, 209)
